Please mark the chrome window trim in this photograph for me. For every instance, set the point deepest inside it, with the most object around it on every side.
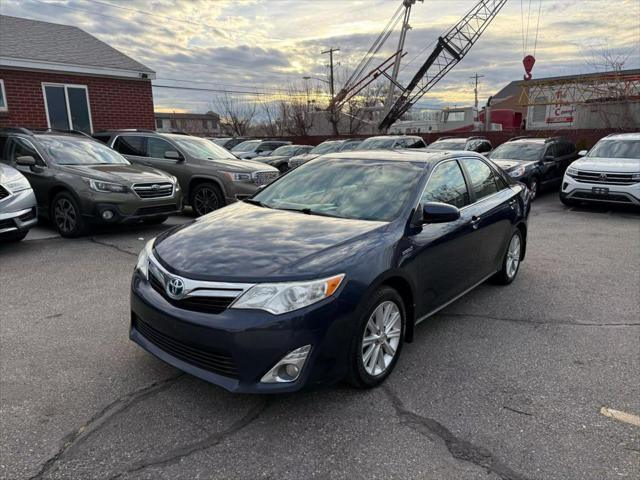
(198, 288)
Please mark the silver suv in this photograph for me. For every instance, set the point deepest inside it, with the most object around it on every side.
(209, 175)
(18, 210)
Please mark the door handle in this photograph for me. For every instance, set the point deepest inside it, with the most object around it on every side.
(475, 221)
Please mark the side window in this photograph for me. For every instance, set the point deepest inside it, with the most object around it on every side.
(552, 151)
(484, 147)
(483, 181)
(156, 147)
(19, 147)
(568, 148)
(446, 184)
(131, 145)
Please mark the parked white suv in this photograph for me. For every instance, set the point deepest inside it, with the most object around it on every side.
(609, 172)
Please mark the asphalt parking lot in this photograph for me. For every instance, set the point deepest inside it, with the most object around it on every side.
(507, 382)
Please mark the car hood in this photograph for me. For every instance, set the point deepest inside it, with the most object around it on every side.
(507, 164)
(248, 243)
(305, 157)
(599, 164)
(119, 173)
(241, 165)
(8, 173)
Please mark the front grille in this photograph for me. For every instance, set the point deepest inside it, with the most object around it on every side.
(611, 197)
(262, 178)
(604, 178)
(212, 361)
(28, 216)
(156, 210)
(3, 192)
(196, 304)
(153, 190)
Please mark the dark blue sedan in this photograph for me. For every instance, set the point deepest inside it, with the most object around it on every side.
(323, 274)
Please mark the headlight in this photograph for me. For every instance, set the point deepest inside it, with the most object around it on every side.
(238, 176)
(572, 172)
(142, 265)
(279, 298)
(517, 172)
(17, 185)
(175, 182)
(109, 187)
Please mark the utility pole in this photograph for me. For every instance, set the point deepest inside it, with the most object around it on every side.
(475, 88)
(331, 84)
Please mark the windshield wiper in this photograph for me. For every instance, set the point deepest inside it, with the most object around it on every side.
(308, 211)
(256, 202)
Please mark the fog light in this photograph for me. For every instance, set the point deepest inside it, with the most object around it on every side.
(288, 369)
(107, 215)
(565, 185)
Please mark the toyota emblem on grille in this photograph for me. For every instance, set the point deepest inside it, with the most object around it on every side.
(175, 288)
(155, 187)
(603, 176)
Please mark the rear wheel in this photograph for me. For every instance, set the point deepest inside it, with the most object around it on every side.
(66, 216)
(511, 261)
(205, 198)
(377, 342)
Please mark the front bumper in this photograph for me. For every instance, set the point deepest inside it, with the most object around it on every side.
(18, 212)
(235, 348)
(584, 192)
(128, 208)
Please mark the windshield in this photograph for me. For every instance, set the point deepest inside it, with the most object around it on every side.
(348, 146)
(246, 146)
(349, 188)
(616, 149)
(201, 148)
(75, 151)
(521, 152)
(286, 150)
(327, 147)
(448, 145)
(220, 141)
(377, 143)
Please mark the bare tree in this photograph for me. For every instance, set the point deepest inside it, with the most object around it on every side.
(271, 124)
(296, 110)
(236, 115)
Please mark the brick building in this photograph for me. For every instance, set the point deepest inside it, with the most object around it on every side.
(58, 76)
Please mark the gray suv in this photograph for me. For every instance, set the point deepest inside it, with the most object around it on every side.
(209, 175)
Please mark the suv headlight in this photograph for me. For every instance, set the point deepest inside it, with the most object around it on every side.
(278, 298)
(517, 172)
(175, 182)
(142, 265)
(17, 185)
(572, 172)
(238, 176)
(107, 187)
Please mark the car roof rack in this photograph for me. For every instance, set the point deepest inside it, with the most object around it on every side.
(62, 130)
(26, 131)
(143, 130)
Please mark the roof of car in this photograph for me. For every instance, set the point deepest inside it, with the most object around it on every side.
(406, 155)
(624, 136)
(393, 137)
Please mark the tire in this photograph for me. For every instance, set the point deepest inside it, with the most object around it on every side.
(155, 220)
(205, 198)
(362, 370)
(283, 168)
(507, 274)
(13, 237)
(534, 187)
(66, 216)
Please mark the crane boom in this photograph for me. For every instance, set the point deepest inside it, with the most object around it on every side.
(450, 49)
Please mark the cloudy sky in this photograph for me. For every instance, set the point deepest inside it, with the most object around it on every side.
(268, 45)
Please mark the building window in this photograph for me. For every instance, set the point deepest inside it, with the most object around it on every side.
(539, 114)
(3, 98)
(67, 107)
(158, 123)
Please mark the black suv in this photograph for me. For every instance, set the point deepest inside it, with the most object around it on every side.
(472, 144)
(209, 175)
(536, 162)
(77, 180)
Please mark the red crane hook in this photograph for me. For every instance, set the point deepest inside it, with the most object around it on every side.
(528, 63)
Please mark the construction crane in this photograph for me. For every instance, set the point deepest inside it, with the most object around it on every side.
(450, 49)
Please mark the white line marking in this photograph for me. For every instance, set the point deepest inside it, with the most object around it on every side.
(621, 416)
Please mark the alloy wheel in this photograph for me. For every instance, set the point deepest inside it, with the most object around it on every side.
(205, 201)
(65, 215)
(513, 256)
(534, 189)
(381, 338)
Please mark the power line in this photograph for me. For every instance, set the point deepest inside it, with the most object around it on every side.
(241, 92)
(207, 82)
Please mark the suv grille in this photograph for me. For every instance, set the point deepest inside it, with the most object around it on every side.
(216, 362)
(262, 178)
(153, 190)
(196, 304)
(604, 177)
(160, 209)
(3, 192)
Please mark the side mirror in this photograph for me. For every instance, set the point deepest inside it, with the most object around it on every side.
(436, 212)
(582, 153)
(172, 155)
(26, 161)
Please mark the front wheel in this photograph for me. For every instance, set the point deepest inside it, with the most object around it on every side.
(534, 187)
(377, 342)
(205, 198)
(511, 261)
(66, 215)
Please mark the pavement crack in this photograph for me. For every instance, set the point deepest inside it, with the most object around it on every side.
(538, 322)
(111, 245)
(213, 439)
(515, 410)
(458, 448)
(97, 421)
